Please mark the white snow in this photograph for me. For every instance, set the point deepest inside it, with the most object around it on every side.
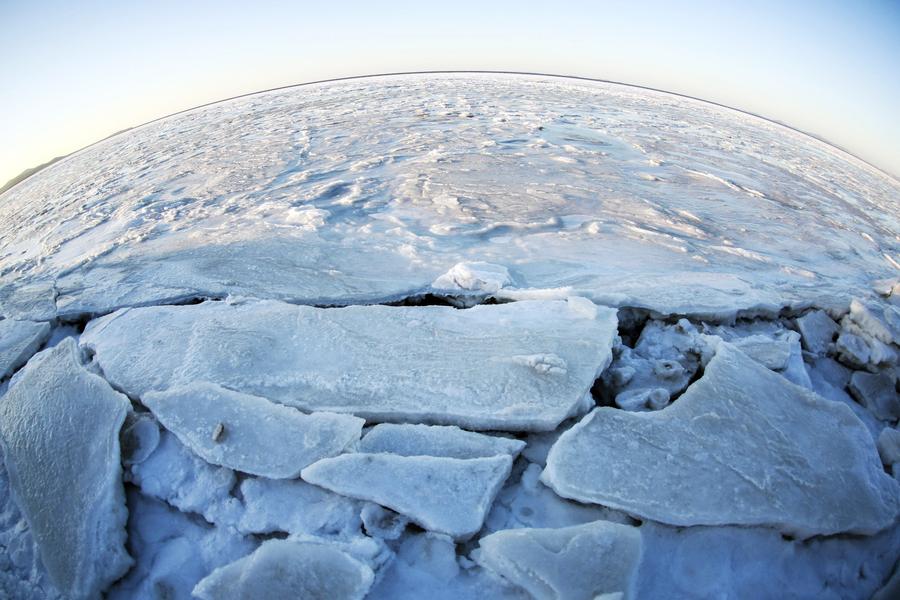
(250, 434)
(18, 341)
(446, 495)
(289, 569)
(764, 452)
(377, 362)
(436, 440)
(59, 431)
(568, 563)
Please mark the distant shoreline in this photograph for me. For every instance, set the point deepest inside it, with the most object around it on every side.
(31, 171)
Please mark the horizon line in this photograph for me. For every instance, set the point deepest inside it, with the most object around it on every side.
(818, 138)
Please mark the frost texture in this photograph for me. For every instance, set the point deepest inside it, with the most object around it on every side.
(18, 341)
(250, 434)
(428, 364)
(764, 452)
(570, 563)
(436, 440)
(289, 569)
(446, 495)
(59, 429)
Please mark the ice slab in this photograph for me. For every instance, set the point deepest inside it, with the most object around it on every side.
(248, 433)
(817, 330)
(289, 569)
(480, 277)
(59, 430)
(296, 507)
(18, 341)
(765, 452)
(524, 365)
(436, 440)
(877, 392)
(881, 321)
(446, 495)
(569, 563)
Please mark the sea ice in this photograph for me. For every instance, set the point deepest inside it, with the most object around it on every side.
(382, 523)
(764, 452)
(18, 341)
(877, 392)
(59, 431)
(436, 440)
(250, 434)
(580, 562)
(176, 475)
(289, 569)
(817, 330)
(446, 495)
(881, 321)
(296, 507)
(427, 364)
(172, 551)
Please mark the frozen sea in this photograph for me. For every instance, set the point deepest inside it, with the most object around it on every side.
(463, 335)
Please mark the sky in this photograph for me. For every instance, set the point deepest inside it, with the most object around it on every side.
(75, 72)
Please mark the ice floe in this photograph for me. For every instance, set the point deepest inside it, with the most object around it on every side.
(764, 452)
(446, 495)
(568, 563)
(18, 341)
(434, 364)
(59, 431)
(250, 434)
(289, 569)
(436, 440)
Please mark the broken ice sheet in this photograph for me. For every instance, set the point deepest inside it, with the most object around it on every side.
(519, 366)
(59, 430)
(762, 450)
(18, 341)
(248, 433)
(436, 440)
(446, 495)
(569, 563)
(289, 569)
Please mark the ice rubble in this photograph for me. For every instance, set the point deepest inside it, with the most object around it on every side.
(567, 563)
(764, 452)
(59, 431)
(18, 341)
(535, 360)
(289, 569)
(446, 495)
(250, 434)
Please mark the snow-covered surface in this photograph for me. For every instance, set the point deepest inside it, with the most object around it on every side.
(59, 431)
(352, 191)
(249, 433)
(525, 365)
(764, 452)
(479, 232)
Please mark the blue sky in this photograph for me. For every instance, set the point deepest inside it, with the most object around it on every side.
(76, 72)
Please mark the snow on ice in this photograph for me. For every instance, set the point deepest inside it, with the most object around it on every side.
(471, 266)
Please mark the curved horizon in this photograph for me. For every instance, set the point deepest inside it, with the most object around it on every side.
(816, 137)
